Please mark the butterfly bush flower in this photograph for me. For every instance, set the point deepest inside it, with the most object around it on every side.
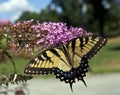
(4, 26)
(4, 21)
(55, 33)
(23, 35)
(29, 36)
(4, 30)
(19, 34)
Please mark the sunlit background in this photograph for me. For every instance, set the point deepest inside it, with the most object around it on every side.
(101, 17)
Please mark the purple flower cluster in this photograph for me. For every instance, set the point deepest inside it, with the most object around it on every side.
(54, 33)
(29, 36)
(4, 21)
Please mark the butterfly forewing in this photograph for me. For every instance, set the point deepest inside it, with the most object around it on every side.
(96, 43)
(45, 61)
(85, 46)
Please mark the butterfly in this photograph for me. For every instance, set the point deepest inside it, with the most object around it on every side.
(67, 62)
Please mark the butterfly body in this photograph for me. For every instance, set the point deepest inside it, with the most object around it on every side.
(69, 61)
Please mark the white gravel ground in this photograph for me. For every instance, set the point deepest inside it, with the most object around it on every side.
(108, 84)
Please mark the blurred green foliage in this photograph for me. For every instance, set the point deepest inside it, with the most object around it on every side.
(7, 68)
(92, 15)
(108, 59)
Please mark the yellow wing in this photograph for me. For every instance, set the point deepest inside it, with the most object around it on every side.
(46, 60)
(66, 58)
(85, 47)
(69, 62)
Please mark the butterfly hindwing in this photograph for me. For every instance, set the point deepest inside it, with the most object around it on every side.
(74, 73)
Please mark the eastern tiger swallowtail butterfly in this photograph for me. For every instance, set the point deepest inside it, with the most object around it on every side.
(69, 61)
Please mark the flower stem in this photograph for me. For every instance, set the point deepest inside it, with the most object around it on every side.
(4, 50)
(12, 61)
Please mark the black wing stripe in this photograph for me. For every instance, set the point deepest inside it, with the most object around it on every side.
(96, 48)
(81, 43)
(40, 58)
(86, 40)
(46, 56)
(55, 52)
(73, 45)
